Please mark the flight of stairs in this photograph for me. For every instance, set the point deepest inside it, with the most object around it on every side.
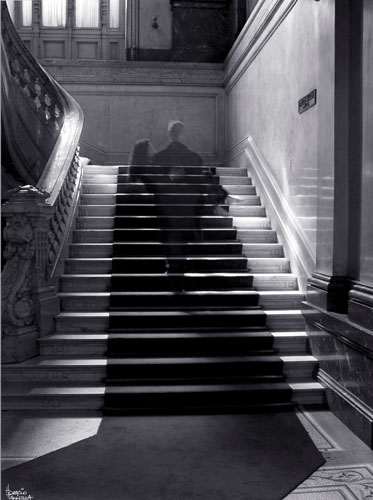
(176, 297)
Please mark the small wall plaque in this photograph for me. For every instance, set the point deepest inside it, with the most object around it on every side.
(307, 102)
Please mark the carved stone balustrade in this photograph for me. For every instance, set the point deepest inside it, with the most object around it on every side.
(25, 253)
(42, 127)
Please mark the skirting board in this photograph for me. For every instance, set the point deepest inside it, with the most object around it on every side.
(348, 408)
(291, 235)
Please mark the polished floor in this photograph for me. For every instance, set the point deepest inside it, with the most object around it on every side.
(347, 473)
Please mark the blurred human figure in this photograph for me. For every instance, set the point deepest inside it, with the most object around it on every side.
(141, 155)
(176, 153)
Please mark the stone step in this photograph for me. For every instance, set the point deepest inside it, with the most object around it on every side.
(169, 199)
(172, 210)
(88, 344)
(262, 250)
(23, 396)
(133, 249)
(174, 235)
(90, 178)
(190, 281)
(251, 250)
(290, 320)
(168, 188)
(93, 370)
(92, 301)
(173, 170)
(156, 265)
(164, 235)
(179, 222)
(257, 235)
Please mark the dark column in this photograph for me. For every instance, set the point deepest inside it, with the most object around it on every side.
(200, 30)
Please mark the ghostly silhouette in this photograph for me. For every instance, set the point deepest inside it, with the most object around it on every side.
(176, 153)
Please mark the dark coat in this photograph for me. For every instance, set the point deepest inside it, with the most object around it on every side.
(177, 154)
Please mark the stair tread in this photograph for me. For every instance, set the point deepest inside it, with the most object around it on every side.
(218, 293)
(36, 389)
(159, 258)
(97, 362)
(179, 335)
(191, 274)
(188, 313)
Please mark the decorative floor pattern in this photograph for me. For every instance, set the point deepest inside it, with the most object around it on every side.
(319, 436)
(337, 483)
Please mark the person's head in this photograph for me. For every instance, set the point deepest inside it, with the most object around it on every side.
(175, 130)
(141, 153)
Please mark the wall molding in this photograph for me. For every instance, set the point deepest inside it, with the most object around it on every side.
(351, 334)
(296, 244)
(359, 417)
(99, 156)
(265, 19)
(136, 73)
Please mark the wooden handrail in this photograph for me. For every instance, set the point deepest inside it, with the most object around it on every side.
(42, 125)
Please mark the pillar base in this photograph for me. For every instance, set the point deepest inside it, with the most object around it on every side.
(360, 306)
(21, 345)
(329, 292)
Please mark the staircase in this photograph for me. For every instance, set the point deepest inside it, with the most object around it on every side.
(176, 297)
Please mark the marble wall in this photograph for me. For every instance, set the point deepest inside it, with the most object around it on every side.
(262, 101)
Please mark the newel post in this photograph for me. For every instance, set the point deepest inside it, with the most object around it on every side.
(26, 290)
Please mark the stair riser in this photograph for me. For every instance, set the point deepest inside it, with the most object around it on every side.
(57, 374)
(185, 322)
(156, 249)
(106, 250)
(276, 301)
(156, 222)
(145, 235)
(160, 189)
(150, 169)
(193, 373)
(103, 324)
(268, 266)
(155, 267)
(167, 199)
(178, 301)
(171, 210)
(180, 402)
(163, 179)
(53, 403)
(293, 345)
(257, 236)
(273, 250)
(286, 322)
(79, 402)
(91, 251)
(166, 223)
(102, 283)
(97, 374)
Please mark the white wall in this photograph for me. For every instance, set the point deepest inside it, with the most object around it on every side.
(263, 89)
(130, 101)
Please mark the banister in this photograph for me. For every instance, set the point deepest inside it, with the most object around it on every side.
(42, 125)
